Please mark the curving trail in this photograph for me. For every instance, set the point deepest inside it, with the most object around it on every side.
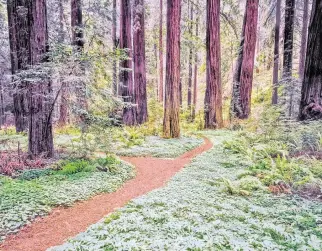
(63, 223)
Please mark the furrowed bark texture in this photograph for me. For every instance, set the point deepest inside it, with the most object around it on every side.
(189, 101)
(40, 91)
(114, 40)
(311, 100)
(171, 125)
(139, 62)
(19, 31)
(195, 79)
(276, 52)
(243, 77)
(213, 97)
(126, 87)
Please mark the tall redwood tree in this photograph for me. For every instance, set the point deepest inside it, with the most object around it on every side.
(19, 31)
(40, 136)
(195, 78)
(114, 40)
(171, 123)
(311, 100)
(276, 52)
(126, 88)
(243, 76)
(139, 62)
(213, 97)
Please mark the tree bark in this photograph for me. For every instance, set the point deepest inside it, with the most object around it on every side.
(40, 136)
(161, 93)
(114, 40)
(171, 123)
(189, 101)
(243, 77)
(139, 61)
(213, 97)
(2, 119)
(19, 31)
(195, 79)
(288, 38)
(276, 52)
(311, 99)
(304, 38)
(126, 87)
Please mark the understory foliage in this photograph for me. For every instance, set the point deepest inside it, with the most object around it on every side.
(35, 192)
(283, 155)
(196, 211)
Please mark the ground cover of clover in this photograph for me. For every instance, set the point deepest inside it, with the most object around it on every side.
(154, 146)
(196, 211)
(22, 200)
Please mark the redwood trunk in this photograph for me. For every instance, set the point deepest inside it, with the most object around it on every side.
(161, 93)
(213, 97)
(276, 52)
(171, 123)
(243, 79)
(40, 92)
(288, 39)
(114, 40)
(311, 100)
(190, 62)
(19, 31)
(126, 88)
(139, 61)
(304, 39)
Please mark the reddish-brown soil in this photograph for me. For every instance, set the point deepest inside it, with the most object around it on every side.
(64, 223)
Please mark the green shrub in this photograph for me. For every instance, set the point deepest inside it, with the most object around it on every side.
(76, 166)
(34, 173)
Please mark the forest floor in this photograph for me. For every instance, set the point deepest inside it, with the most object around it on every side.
(206, 206)
(62, 222)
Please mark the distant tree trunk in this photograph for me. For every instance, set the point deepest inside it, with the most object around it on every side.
(190, 63)
(161, 94)
(63, 108)
(276, 52)
(288, 51)
(288, 38)
(139, 61)
(19, 31)
(311, 100)
(126, 87)
(213, 97)
(304, 38)
(114, 40)
(195, 80)
(78, 43)
(171, 123)
(39, 93)
(243, 77)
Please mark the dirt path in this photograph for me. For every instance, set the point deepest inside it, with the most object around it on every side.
(63, 223)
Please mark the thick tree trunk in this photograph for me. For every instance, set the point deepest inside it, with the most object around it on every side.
(189, 101)
(304, 39)
(243, 78)
(288, 39)
(126, 88)
(114, 40)
(19, 51)
(2, 119)
(195, 79)
(311, 100)
(139, 61)
(39, 93)
(171, 123)
(213, 97)
(161, 93)
(276, 52)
